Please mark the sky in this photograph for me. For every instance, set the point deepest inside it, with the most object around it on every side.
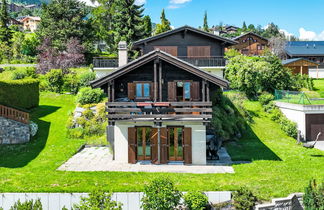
(302, 18)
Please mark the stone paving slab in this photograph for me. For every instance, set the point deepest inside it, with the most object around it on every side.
(100, 159)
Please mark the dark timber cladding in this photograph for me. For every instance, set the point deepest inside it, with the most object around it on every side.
(314, 125)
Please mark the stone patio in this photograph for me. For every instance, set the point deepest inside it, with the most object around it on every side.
(100, 159)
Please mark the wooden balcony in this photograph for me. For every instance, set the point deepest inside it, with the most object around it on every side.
(159, 111)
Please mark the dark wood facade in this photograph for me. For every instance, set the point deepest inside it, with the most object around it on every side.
(250, 44)
(314, 125)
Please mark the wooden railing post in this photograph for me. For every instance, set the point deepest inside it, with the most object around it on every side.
(14, 114)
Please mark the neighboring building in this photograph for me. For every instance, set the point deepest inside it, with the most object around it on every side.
(300, 65)
(310, 50)
(13, 21)
(231, 29)
(200, 48)
(30, 23)
(159, 104)
(250, 44)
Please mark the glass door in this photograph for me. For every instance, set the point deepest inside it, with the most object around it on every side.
(143, 137)
(175, 140)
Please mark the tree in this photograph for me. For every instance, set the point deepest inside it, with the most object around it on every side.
(244, 28)
(251, 27)
(5, 34)
(128, 22)
(271, 31)
(164, 26)
(147, 26)
(65, 19)
(205, 26)
(277, 45)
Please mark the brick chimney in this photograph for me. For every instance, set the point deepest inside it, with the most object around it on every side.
(122, 53)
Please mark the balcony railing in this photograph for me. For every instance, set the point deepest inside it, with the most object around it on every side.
(215, 61)
(159, 111)
(14, 114)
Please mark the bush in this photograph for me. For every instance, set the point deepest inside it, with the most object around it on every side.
(160, 194)
(31, 72)
(19, 74)
(289, 127)
(98, 199)
(314, 196)
(195, 200)
(76, 133)
(244, 199)
(21, 94)
(33, 128)
(88, 95)
(27, 205)
(55, 80)
(71, 83)
(303, 81)
(265, 98)
(86, 78)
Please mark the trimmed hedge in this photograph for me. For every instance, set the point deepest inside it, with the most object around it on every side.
(20, 94)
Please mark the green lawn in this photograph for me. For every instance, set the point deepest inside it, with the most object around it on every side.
(278, 167)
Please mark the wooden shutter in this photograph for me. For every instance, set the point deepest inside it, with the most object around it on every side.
(171, 91)
(198, 51)
(131, 91)
(154, 145)
(164, 145)
(132, 145)
(172, 50)
(195, 91)
(187, 146)
(151, 90)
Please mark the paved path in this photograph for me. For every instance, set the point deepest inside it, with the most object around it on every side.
(320, 145)
(100, 159)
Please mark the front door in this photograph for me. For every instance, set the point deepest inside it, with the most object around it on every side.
(143, 138)
(175, 141)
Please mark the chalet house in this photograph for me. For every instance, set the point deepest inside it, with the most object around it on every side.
(309, 50)
(159, 104)
(250, 44)
(300, 65)
(202, 49)
(30, 23)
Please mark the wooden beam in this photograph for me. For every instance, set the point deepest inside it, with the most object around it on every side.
(203, 90)
(169, 116)
(113, 90)
(301, 70)
(160, 81)
(109, 94)
(208, 94)
(155, 82)
(186, 103)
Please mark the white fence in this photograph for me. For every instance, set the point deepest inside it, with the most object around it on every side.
(56, 201)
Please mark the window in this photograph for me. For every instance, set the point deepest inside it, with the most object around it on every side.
(187, 90)
(142, 90)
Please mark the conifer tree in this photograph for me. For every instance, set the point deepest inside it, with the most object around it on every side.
(5, 34)
(205, 26)
(147, 26)
(244, 27)
(164, 26)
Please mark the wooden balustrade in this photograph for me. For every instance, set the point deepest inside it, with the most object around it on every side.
(162, 111)
(14, 114)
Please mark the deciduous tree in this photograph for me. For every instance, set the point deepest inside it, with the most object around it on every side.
(164, 26)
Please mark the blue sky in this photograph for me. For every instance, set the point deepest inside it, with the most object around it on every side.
(299, 17)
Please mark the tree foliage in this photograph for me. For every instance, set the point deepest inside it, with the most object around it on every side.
(147, 26)
(5, 33)
(314, 196)
(164, 26)
(205, 26)
(244, 199)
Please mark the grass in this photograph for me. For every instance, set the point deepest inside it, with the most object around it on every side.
(279, 166)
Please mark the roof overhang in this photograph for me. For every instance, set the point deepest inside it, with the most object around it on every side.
(157, 54)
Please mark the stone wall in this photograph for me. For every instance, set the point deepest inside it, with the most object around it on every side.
(13, 132)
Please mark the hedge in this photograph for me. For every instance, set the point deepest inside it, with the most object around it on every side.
(20, 94)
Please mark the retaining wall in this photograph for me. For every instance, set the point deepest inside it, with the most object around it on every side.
(13, 132)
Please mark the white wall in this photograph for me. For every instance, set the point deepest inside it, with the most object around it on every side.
(313, 72)
(198, 140)
(296, 116)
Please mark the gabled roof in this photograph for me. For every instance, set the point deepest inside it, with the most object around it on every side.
(32, 18)
(164, 57)
(305, 48)
(292, 60)
(251, 33)
(185, 28)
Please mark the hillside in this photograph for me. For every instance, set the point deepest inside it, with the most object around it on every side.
(29, 1)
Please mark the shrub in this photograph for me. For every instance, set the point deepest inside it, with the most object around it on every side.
(71, 83)
(303, 81)
(265, 98)
(244, 199)
(98, 199)
(86, 78)
(21, 94)
(76, 133)
(88, 95)
(314, 196)
(160, 194)
(31, 72)
(19, 74)
(195, 200)
(55, 80)
(27, 205)
(289, 127)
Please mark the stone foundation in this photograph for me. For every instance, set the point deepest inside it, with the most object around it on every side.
(13, 132)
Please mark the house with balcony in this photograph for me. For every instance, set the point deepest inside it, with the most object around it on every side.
(199, 48)
(250, 44)
(160, 104)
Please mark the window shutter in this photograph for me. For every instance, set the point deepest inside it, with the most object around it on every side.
(172, 50)
(131, 91)
(154, 145)
(195, 91)
(132, 145)
(171, 91)
(152, 90)
(198, 51)
(164, 145)
(187, 145)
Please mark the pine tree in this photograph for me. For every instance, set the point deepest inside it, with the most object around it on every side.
(164, 26)
(244, 28)
(147, 26)
(205, 27)
(5, 33)
(128, 22)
